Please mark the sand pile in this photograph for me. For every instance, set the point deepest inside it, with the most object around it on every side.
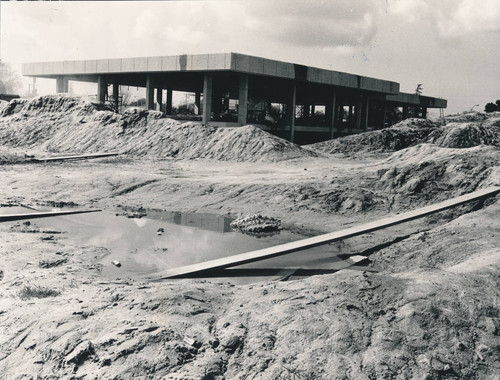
(463, 131)
(402, 135)
(64, 124)
(426, 172)
(467, 134)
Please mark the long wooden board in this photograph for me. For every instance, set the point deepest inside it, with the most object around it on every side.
(283, 249)
(77, 157)
(35, 215)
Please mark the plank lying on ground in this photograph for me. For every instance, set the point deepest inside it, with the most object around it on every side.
(78, 157)
(274, 273)
(35, 215)
(283, 249)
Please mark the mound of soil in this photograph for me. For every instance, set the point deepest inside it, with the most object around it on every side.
(402, 135)
(462, 131)
(66, 124)
(466, 135)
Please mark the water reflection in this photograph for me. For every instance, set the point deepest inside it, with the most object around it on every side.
(209, 222)
(165, 240)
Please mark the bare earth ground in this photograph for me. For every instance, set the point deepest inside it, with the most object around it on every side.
(429, 311)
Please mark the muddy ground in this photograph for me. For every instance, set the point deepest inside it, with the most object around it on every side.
(426, 308)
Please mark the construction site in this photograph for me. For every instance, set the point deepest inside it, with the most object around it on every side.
(296, 223)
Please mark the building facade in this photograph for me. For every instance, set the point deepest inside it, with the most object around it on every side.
(300, 103)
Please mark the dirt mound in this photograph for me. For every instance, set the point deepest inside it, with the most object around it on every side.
(462, 131)
(467, 117)
(466, 135)
(428, 173)
(402, 135)
(66, 124)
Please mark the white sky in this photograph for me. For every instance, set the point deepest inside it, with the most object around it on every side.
(451, 46)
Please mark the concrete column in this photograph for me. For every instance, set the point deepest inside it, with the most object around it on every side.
(313, 110)
(291, 110)
(331, 112)
(149, 92)
(366, 109)
(197, 103)
(207, 97)
(102, 88)
(243, 100)
(359, 112)
(307, 111)
(159, 98)
(116, 94)
(168, 105)
(384, 116)
(405, 112)
(424, 113)
(226, 102)
(62, 84)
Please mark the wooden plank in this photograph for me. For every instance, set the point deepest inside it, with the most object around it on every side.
(78, 157)
(283, 249)
(36, 215)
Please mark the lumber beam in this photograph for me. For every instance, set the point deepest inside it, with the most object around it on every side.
(77, 157)
(283, 249)
(37, 215)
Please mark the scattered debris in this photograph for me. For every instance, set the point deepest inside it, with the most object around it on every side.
(51, 263)
(29, 292)
(189, 341)
(256, 224)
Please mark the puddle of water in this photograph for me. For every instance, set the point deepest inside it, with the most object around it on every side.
(165, 240)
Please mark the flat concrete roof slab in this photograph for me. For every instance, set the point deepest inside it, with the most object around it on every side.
(227, 62)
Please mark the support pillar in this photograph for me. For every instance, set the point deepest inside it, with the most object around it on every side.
(331, 114)
(307, 111)
(102, 88)
(350, 119)
(116, 94)
(405, 112)
(424, 113)
(168, 105)
(358, 113)
(159, 98)
(384, 116)
(149, 92)
(291, 110)
(62, 84)
(243, 100)
(366, 109)
(207, 97)
(197, 103)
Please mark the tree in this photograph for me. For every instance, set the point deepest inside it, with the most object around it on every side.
(492, 107)
(10, 81)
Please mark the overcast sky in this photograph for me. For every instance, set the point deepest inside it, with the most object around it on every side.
(451, 46)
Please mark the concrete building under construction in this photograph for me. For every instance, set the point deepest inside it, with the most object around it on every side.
(300, 103)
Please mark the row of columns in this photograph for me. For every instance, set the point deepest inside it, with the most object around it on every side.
(361, 116)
